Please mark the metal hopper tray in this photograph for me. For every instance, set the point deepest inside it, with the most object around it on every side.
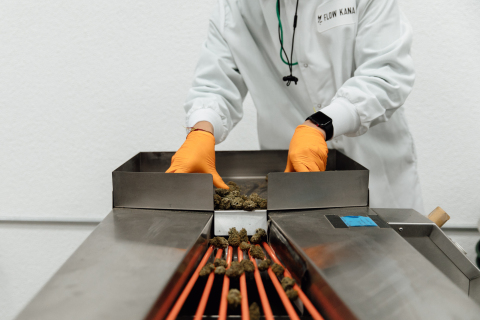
(142, 183)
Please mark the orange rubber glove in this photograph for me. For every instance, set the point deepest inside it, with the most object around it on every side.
(197, 155)
(308, 151)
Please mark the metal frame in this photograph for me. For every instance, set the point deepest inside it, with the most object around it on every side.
(436, 246)
(366, 272)
(132, 265)
(136, 261)
(142, 183)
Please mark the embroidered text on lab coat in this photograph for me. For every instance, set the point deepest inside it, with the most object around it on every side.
(335, 13)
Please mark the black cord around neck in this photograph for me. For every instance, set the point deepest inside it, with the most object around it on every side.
(290, 63)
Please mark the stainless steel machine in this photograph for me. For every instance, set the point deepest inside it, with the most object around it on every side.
(142, 261)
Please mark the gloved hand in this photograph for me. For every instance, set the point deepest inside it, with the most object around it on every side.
(308, 150)
(197, 155)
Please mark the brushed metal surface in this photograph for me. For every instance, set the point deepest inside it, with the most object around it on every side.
(425, 236)
(374, 272)
(250, 220)
(250, 163)
(453, 253)
(425, 246)
(402, 216)
(156, 190)
(132, 261)
(142, 183)
(474, 291)
(343, 184)
(311, 190)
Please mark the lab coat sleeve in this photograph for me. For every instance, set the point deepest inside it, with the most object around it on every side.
(384, 73)
(218, 89)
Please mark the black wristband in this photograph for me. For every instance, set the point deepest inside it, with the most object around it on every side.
(324, 122)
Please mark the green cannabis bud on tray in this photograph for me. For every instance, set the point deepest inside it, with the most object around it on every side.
(259, 235)
(244, 246)
(234, 237)
(232, 199)
(257, 252)
(287, 283)
(254, 311)
(277, 269)
(219, 242)
(207, 269)
(235, 270)
(234, 298)
(264, 264)
(220, 262)
(220, 270)
(292, 294)
(247, 265)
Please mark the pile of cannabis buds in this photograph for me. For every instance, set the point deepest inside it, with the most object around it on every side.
(236, 269)
(232, 199)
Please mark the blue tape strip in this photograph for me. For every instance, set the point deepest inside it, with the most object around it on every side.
(358, 221)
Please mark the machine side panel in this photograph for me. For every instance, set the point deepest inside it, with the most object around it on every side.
(430, 251)
(142, 183)
(374, 271)
(321, 294)
(425, 236)
(451, 251)
(310, 190)
(474, 292)
(124, 266)
(250, 163)
(155, 190)
(406, 216)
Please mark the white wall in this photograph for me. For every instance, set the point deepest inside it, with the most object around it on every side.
(30, 254)
(85, 85)
(443, 109)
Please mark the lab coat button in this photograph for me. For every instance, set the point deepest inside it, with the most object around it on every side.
(305, 65)
(319, 106)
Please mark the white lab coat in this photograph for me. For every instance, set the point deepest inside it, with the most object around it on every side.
(358, 71)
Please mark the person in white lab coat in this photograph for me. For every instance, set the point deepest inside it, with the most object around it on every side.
(351, 62)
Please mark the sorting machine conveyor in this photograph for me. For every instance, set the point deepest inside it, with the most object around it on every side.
(142, 261)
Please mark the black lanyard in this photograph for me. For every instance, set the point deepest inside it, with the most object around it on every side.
(290, 77)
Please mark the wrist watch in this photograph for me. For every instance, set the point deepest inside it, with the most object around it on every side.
(324, 122)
